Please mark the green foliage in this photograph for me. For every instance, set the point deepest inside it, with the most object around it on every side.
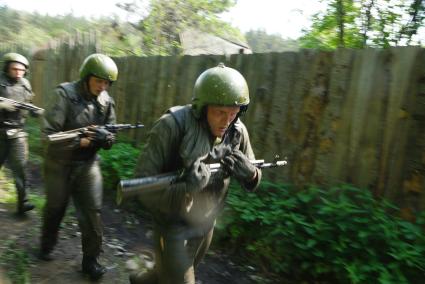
(16, 261)
(8, 193)
(32, 127)
(38, 201)
(325, 31)
(339, 235)
(26, 31)
(118, 163)
(34, 30)
(154, 31)
(6, 186)
(261, 42)
(162, 21)
(365, 23)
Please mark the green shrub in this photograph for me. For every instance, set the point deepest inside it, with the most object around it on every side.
(16, 262)
(339, 235)
(32, 127)
(118, 163)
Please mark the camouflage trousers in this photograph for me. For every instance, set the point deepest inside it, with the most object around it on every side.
(81, 181)
(178, 251)
(15, 152)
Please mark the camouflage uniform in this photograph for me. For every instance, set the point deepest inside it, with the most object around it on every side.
(13, 138)
(71, 171)
(184, 220)
(71, 167)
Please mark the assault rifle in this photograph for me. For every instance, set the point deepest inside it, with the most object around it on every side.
(24, 106)
(133, 187)
(79, 132)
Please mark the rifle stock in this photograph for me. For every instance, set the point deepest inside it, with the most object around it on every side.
(146, 185)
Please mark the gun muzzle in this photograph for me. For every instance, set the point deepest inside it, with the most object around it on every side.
(141, 186)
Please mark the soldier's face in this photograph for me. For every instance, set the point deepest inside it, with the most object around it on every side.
(220, 117)
(97, 85)
(16, 70)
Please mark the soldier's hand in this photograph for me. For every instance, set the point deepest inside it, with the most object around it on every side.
(7, 106)
(198, 176)
(85, 142)
(100, 135)
(239, 166)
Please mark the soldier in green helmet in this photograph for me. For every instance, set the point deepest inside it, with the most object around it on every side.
(190, 137)
(71, 168)
(13, 138)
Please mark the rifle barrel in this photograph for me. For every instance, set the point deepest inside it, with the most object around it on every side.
(22, 105)
(131, 187)
(146, 185)
(70, 134)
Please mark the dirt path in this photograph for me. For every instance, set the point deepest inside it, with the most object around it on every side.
(127, 244)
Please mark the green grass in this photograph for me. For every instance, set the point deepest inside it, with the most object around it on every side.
(7, 188)
(16, 262)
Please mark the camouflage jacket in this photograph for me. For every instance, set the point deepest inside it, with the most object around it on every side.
(19, 91)
(72, 106)
(175, 141)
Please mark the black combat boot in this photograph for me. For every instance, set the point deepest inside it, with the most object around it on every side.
(92, 268)
(24, 207)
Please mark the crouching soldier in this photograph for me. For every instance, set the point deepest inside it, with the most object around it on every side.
(190, 137)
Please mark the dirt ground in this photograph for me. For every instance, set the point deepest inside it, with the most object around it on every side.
(127, 246)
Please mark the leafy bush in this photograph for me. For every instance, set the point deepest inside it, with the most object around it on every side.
(32, 127)
(339, 235)
(118, 163)
(16, 262)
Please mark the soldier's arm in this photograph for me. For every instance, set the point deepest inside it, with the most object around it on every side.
(55, 117)
(30, 97)
(158, 151)
(156, 158)
(246, 148)
(111, 118)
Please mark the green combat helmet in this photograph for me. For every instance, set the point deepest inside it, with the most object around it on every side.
(15, 57)
(222, 86)
(99, 65)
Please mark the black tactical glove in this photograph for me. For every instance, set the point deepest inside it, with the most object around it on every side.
(101, 137)
(239, 166)
(197, 176)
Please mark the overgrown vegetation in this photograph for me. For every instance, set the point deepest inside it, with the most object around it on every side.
(262, 42)
(32, 127)
(366, 23)
(14, 259)
(161, 21)
(336, 235)
(154, 29)
(118, 163)
(16, 262)
(156, 24)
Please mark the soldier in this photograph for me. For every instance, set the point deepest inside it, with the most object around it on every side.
(71, 168)
(13, 138)
(189, 137)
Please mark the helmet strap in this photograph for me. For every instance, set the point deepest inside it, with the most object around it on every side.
(242, 111)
